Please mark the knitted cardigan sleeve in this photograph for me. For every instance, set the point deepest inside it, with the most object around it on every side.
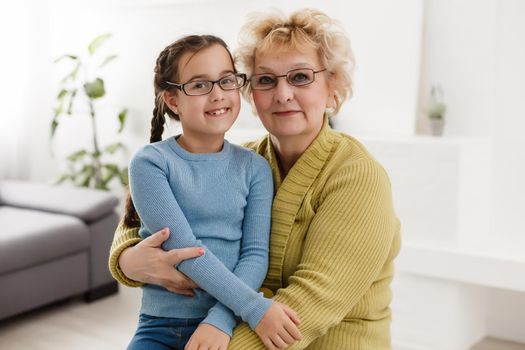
(346, 246)
(123, 238)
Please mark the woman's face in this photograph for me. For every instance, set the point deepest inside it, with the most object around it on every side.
(287, 111)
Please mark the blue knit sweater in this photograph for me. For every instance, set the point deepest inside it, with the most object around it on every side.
(220, 201)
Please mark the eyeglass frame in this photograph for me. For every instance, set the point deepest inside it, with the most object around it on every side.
(287, 80)
(181, 87)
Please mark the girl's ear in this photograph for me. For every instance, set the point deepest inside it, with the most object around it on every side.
(170, 100)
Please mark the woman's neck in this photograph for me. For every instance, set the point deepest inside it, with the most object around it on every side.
(201, 144)
(288, 151)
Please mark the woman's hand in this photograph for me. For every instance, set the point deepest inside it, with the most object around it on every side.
(278, 327)
(147, 262)
(208, 337)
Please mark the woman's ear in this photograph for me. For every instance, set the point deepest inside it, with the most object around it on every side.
(170, 100)
(331, 102)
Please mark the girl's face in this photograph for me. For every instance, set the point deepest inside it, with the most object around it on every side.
(211, 114)
(287, 111)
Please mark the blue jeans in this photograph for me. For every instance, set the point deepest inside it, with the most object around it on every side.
(161, 333)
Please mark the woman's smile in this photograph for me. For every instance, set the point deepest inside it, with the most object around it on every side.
(287, 113)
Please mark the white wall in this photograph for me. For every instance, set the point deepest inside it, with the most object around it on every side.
(458, 54)
(508, 169)
(15, 77)
(475, 50)
(385, 36)
(508, 133)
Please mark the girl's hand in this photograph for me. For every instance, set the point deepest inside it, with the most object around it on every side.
(147, 262)
(208, 337)
(278, 327)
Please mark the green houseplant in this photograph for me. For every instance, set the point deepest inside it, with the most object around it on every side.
(436, 110)
(94, 167)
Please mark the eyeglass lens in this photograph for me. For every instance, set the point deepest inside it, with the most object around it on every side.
(203, 87)
(296, 77)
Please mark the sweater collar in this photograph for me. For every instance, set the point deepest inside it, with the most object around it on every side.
(181, 152)
(290, 194)
(310, 162)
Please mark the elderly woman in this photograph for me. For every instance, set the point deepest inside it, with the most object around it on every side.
(334, 232)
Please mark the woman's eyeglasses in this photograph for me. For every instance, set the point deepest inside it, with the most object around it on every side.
(204, 87)
(295, 77)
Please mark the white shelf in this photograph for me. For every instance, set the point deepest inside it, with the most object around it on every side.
(492, 266)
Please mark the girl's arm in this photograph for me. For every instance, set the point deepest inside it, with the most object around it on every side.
(346, 246)
(158, 208)
(253, 261)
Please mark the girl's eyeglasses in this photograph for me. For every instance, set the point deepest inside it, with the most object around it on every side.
(204, 87)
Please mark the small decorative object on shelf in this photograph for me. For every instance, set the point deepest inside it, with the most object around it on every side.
(436, 111)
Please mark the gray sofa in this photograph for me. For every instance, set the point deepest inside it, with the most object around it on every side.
(54, 244)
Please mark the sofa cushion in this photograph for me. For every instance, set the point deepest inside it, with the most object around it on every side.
(29, 237)
(84, 203)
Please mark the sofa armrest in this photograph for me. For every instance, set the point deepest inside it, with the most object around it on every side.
(85, 204)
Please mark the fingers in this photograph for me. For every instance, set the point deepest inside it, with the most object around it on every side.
(156, 239)
(186, 292)
(181, 281)
(293, 331)
(178, 255)
(292, 314)
(278, 342)
(268, 344)
(286, 336)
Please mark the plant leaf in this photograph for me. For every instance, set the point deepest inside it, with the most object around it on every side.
(73, 74)
(61, 94)
(71, 99)
(72, 57)
(86, 181)
(77, 155)
(122, 116)
(54, 125)
(89, 173)
(124, 176)
(95, 89)
(112, 167)
(99, 40)
(112, 171)
(107, 60)
(113, 147)
(63, 178)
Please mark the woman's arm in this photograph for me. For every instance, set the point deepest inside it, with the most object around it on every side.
(158, 208)
(133, 261)
(346, 246)
(123, 239)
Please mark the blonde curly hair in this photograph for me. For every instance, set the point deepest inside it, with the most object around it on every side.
(306, 28)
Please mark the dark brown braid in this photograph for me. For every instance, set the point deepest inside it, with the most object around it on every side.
(166, 69)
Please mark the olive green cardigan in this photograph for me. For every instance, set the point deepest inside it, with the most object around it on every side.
(333, 240)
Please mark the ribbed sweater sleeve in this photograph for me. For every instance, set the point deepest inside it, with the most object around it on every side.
(123, 238)
(346, 245)
(253, 261)
(158, 208)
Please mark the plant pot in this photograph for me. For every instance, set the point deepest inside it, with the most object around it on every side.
(436, 126)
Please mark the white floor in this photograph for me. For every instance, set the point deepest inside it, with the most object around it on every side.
(103, 325)
(108, 323)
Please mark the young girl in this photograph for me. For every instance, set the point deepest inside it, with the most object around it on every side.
(209, 193)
